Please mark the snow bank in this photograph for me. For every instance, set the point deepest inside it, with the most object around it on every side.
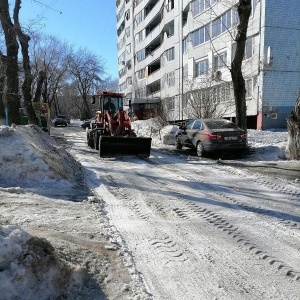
(30, 158)
(30, 267)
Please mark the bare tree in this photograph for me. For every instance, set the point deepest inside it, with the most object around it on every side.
(12, 47)
(85, 68)
(293, 123)
(206, 98)
(244, 10)
(50, 57)
(108, 84)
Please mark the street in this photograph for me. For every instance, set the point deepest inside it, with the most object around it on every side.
(199, 229)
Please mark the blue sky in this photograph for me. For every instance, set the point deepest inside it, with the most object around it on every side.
(87, 24)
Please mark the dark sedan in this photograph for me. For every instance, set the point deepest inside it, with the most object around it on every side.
(60, 120)
(210, 135)
(86, 124)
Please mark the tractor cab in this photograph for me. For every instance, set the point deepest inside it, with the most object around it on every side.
(111, 102)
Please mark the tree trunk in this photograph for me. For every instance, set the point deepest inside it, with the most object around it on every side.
(12, 47)
(2, 85)
(293, 123)
(26, 87)
(244, 11)
(40, 81)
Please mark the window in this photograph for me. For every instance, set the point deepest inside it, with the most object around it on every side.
(216, 27)
(153, 87)
(221, 24)
(123, 86)
(197, 125)
(226, 21)
(122, 72)
(250, 85)
(170, 54)
(189, 125)
(201, 68)
(139, 17)
(184, 45)
(249, 88)
(185, 72)
(199, 37)
(139, 93)
(129, 81)
(235, 17)
(128, 64)
(170, 104)
(198, 6)
(127, 15)
(140, 74)
(170, 78)
(137, 2)
(122, 58)
(121, 12)
(127, 31)
(140, 55)
(220, 61)
(128, 48)
(169, 4)
(140, 36)
(249, 48)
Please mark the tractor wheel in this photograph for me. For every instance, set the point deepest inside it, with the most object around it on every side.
(96, 140)
(199, 149)
(177, 144)
(90, 141)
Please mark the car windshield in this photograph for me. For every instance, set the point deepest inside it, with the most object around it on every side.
(61, 116)
(220, 124)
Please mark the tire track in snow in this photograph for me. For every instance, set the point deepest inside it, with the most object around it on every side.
(186, 212)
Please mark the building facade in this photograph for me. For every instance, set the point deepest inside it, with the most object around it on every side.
(177, 54)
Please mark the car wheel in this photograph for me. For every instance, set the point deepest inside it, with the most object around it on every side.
(199, 149)
(178, 145)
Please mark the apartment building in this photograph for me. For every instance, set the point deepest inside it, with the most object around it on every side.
(177, 54)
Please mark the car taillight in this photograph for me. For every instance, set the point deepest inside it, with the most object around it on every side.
(244, 136)
(214, 136)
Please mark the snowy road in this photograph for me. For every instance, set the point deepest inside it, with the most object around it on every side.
(198, 229)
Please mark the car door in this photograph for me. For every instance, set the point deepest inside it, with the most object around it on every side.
(183, 134)
(194, 132)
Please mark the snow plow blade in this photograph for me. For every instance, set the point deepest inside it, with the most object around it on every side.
(110, 146)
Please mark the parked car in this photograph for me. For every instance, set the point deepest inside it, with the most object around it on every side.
(60, 120)
(86, 124)
(210, 135)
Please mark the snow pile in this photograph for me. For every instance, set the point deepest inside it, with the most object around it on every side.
(269, 145)
(30, 267)
(30, 158)
(161, 135)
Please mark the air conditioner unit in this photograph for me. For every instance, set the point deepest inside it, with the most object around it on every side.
(217, 75)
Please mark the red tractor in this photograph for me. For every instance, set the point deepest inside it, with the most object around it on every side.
(111, 133)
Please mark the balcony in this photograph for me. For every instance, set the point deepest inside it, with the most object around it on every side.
(153, 24)
(153, 87)
(149, 7)
(153, 46)
(153, 67)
